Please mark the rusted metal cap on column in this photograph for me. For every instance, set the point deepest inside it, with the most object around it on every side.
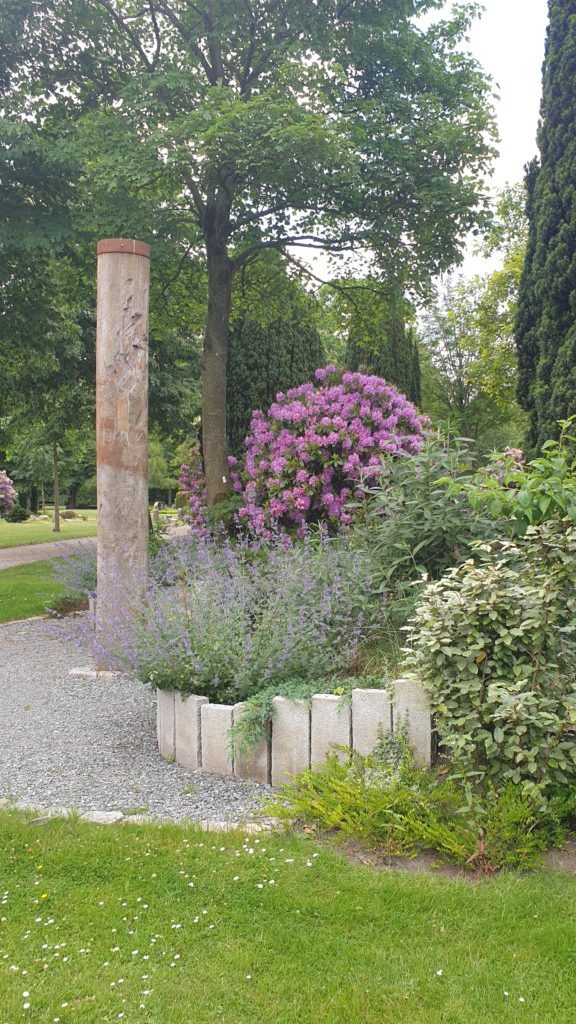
(122, 245)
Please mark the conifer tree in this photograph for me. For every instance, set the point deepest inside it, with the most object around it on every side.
(546, 320)
(381, 341)
(263, 360)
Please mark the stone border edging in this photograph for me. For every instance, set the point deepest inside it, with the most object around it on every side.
(195, 734)
(119, 818)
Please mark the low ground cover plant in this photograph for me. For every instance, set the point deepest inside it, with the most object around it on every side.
(392, 804)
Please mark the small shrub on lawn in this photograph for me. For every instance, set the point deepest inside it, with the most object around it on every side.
(494, 644)
(402, 809)
(17, 514)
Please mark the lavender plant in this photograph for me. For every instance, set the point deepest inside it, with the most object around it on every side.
(227, 621)
(75, 571)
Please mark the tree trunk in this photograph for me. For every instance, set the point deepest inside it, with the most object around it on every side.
(72, 495)
(56, 489)
(214, 446)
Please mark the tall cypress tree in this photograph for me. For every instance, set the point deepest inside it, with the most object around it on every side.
(381, 342)
(546, 321)
(263, 360)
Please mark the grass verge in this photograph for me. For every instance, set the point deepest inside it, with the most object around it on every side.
(40, 532)
(156, 924)
(27, 590)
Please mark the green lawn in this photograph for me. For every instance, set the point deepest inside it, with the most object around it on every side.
(40, 532)
(157, 924)
(26, 590)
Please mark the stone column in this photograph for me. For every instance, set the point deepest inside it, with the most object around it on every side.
(122, 423)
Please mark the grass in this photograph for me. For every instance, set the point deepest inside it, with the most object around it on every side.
(27, 590)
(41, 532)
(156, 924)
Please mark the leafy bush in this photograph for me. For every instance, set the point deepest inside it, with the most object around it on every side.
(402, 809)
(227, 621)
(305, 458)
(493, 643)
(526, 494)
(8, 494)
(415, 522)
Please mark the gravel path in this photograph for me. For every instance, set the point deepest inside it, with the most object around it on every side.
(90, 744)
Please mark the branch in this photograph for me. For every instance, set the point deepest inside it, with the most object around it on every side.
(344, 7)
(345, 289)
(156, 29)
(251, 217)
(181, 262)
(284, 205)
(214, 47)
(186, 36)
(345, 244)
(197, 197)
(121, 24)
(251, 48)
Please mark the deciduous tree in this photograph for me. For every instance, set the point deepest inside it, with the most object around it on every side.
(229, 127)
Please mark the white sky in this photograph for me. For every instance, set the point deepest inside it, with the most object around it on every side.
(508, 41)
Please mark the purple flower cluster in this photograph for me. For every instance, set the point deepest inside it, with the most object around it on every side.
(305, 459)
(191, 481)
(504, 464)
(516, 456)
(224, 621)
(8, 494)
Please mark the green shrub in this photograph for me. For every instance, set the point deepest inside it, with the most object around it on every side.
(493, 644)
(17, 514)
(520, 495)
(418, 520)
(402, 809)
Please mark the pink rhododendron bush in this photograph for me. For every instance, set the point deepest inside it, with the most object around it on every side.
(8, 494)
(306, 457)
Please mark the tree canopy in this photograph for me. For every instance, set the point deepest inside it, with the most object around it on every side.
(228, 127)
